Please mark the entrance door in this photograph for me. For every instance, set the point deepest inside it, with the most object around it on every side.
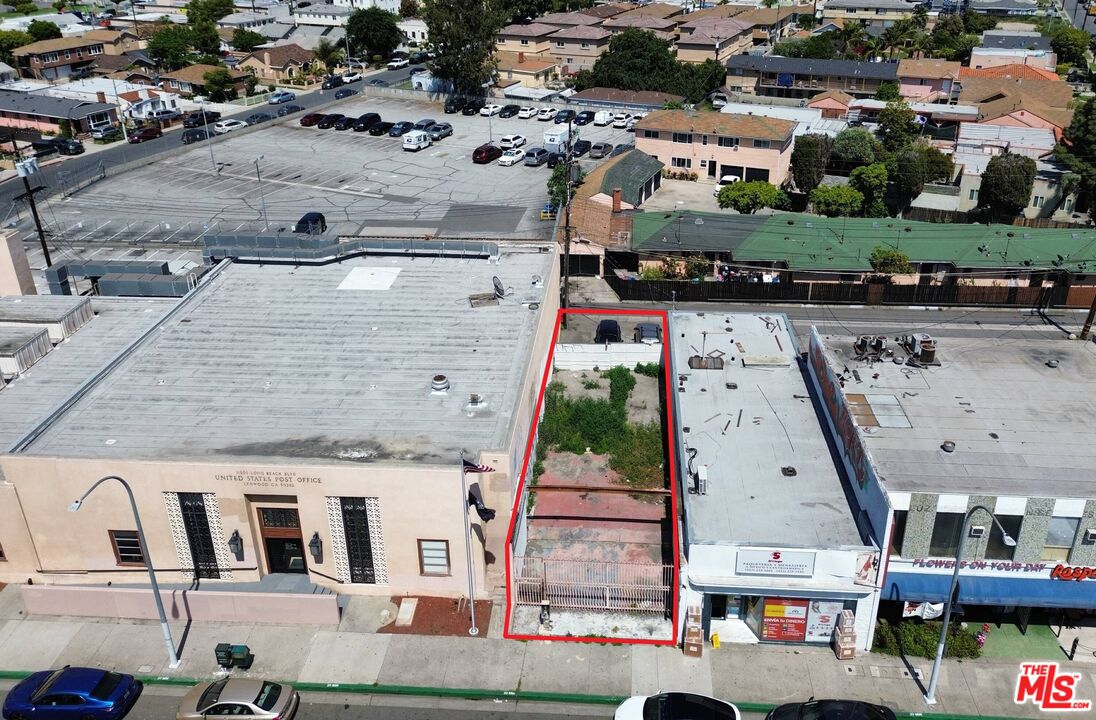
(712, 166)
(196, 523)
(359, 548)
(281, 532)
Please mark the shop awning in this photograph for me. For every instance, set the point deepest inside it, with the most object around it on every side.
(984, 590)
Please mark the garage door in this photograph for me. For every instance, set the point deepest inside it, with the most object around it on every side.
(757, 174)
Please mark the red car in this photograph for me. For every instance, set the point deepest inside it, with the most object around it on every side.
(311, 119)
(149, 133)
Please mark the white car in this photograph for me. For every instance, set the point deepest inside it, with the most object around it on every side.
(352, 76)
(513, 156)
(226, 126)
(546, 113)
(511, 141)
(621, 120)
(724, 182)
(398, 63)
(527, 112)
(489, 110)
(672, 705)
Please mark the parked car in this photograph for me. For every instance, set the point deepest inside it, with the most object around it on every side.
(332, 82)
(555, 159)
(193, 135)
(527, 112)
(257, 699)
(486, 153)
(724, 182)
(417, 70)
(143, 134)
(256, 118)
(312, 223)
(437, 131)
(401, 128)
(423, 124)
(344, 123)
(226, 126)
(381, 128)
(647, 333)
(67, 146)
(600, 149)
(289, 110)
(398, 63)
(603, 118)
(490, 110)
(631, 126)
(345, 93)
(608, 331)
(199, 118)
(105, 132)
(509, 111)
(163, 115)
(545, 114)
(473, 106)
(416, 140)
(417, 57)
(76, 693)
(584, 118)
(312, 119)
(366, 121)
(621, 149)
(620, 120)
(329, 120)
(376, 82)
(535, 157)
(673, 705)
(564, 116)
(513, 156)
(581, 147)
(281, 96)
(511, 141)
(830, 710)
(352, 76)
(454, 105)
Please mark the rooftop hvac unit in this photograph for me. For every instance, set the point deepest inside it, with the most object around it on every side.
(921, 347)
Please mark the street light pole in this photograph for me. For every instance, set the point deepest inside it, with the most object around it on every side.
(262, 198)
(490, 129)
(930, 694)
(473, 630)
(25, 170)
(208, 132)
(173, 658)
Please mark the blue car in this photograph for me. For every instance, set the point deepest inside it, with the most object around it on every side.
(72, 693)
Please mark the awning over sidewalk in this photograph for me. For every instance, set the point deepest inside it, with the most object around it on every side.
(986, 590)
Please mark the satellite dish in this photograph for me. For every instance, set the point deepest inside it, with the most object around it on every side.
(500, 291)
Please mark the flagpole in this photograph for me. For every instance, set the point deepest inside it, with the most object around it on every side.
(468, 548)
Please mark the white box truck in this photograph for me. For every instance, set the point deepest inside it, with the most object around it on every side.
(555, 140)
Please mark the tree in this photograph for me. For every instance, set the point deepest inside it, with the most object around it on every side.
(244, 40)
(637, 60)
(978, 23)
(897, 125)
(462, 40)
(856, 146)
(1071, 44)
(938, 166)
(1078, 147)
(871, 182)
(1006, 185)
(373, 31)
(749, 197)
(59, 6)
(43, 30)
(816, 47)
(909, 173)
(219, 86)
(888, 92)
(809, 160)
(890, 261)
(697, 266)
(204, 39)
(837, 200)
(327, 54)
(208, 11)
(557, 185)
(409, 8)
(11, 39)
(169, 47)
(523, 10)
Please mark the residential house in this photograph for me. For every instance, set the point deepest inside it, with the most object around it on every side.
(69, 24)
(662, 28)
(939, 121)
(392, 6)
(832, 103)
(141, 104)
(1015, 40)
(773, 23)
(115, 42)
(800, 78)
(247, 20)
(875, 16)
(279, 63)
(715, 144)
(45, 113)
(415, 30)
(8, 73)
(191, 80)
(608, 11)
(599, 210)
(532, 39)
(1048, 194)
(1009, 72)
(713, 38)
(568, 19)
(973, 137)
(928, 80)
(661, 11)
(1003, 8)
(626, 99)
(57, 59)
(716, 12)
(531, 71)
(1020, 103)
(992, 57)
(578, 47)
(323, 15)
(807, 120)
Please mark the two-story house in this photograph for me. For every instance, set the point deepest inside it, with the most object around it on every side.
(928, 80)
(578, 47)
(772, 23)
(568, 19)
(531, 39)
(58, 58)
(716, 144)
(713, 38)
(278, 63)
(659, 27)
(873, 15)
(191, 80)
(801, 78)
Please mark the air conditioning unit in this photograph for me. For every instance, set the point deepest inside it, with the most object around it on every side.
(977, 531)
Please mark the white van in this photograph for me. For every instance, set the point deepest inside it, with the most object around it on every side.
(416, 140)
(603, 118)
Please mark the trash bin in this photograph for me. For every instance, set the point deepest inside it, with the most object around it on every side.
(224, 655)
(242, 657)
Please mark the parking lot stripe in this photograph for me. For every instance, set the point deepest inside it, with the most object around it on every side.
(324, 188)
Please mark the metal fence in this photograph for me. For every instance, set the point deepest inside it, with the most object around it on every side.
(589, 585)
(72, 181)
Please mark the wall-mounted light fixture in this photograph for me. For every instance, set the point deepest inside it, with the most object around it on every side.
(315, 546)
(236, 545)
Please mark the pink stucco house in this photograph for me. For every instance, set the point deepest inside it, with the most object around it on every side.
(927, 80)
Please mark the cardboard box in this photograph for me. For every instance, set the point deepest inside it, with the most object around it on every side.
(846, 620)
(694, 649)
(845, 652)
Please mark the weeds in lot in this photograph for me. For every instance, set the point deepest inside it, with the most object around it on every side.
(590, 384)
(648, 369)
(918, 638)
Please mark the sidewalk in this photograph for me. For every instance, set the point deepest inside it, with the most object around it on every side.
(353, 655)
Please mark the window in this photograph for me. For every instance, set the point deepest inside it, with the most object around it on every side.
(434, 557)
(127, 547)
(683, 137)
(1060, 536)
(585, 46)
(899, 532)
(524, 41)
(850, 11)
(974, 194)
(570, 61)
(945, 534)
(703, 139)
(49, 57)
(173, 83)
(681, 162)
(996, 549)
(653, 134)
(2, 555)
(737, 71)
(763, 144)
(728, 141)
(703, 163)
(560, 43)
(1037, 201)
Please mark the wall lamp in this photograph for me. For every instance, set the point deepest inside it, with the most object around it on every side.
(236, 545)
(315, 546)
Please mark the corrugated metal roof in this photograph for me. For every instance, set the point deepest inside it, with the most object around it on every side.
(800, 66)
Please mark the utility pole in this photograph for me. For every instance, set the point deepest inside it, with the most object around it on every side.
(262, 198)
(568, 160)
(26, 169)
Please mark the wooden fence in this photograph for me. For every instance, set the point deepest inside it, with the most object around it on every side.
(589, 585)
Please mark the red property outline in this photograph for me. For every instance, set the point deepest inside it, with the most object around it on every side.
(673, 479)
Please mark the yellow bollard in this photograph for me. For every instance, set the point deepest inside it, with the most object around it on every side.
(715, 641)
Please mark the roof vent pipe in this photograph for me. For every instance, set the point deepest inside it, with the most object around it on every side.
(439, 384)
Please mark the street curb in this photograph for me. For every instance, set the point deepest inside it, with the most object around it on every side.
(501, 695)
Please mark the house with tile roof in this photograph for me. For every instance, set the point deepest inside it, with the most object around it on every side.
(1020, 102)
(58, 58)
(532, 38)
(833, 103)
(531, 71)
(1016, 71)
(927, 79)
(608, 11)
(191, 80)
(713, 38)
(873, 15)
(279, 63)
(578, 47)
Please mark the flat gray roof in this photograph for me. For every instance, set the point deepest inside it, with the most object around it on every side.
(1044, 418)
(116, 324)
(746, 435)
(329, 363)
(38, 308)
(14, 339)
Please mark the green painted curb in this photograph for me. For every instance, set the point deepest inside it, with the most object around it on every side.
(480, 694)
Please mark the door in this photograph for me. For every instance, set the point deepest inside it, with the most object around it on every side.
(712, 167)
(280, 528)
(196, 523)
(359, 548)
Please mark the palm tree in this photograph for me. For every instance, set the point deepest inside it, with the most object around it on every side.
(327, 54)
(851, 35)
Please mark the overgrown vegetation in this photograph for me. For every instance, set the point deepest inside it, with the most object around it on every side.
(914, 638)
(648, 369)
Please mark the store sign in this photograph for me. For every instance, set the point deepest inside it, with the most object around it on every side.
(784, 620)
(280, 479)
(775, 562)
(822, 619)
(1073, 572)
(995, 565)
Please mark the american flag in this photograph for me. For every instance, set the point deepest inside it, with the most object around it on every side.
(471, 467)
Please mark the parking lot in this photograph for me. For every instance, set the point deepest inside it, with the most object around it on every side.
(362, 184)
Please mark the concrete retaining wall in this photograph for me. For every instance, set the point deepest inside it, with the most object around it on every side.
(586, 357)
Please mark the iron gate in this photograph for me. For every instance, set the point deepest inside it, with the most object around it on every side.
(198, 535)
(589, 585)
(359, 548)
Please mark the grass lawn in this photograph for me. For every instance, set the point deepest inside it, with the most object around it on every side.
(42, 11)
(1006, 643)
